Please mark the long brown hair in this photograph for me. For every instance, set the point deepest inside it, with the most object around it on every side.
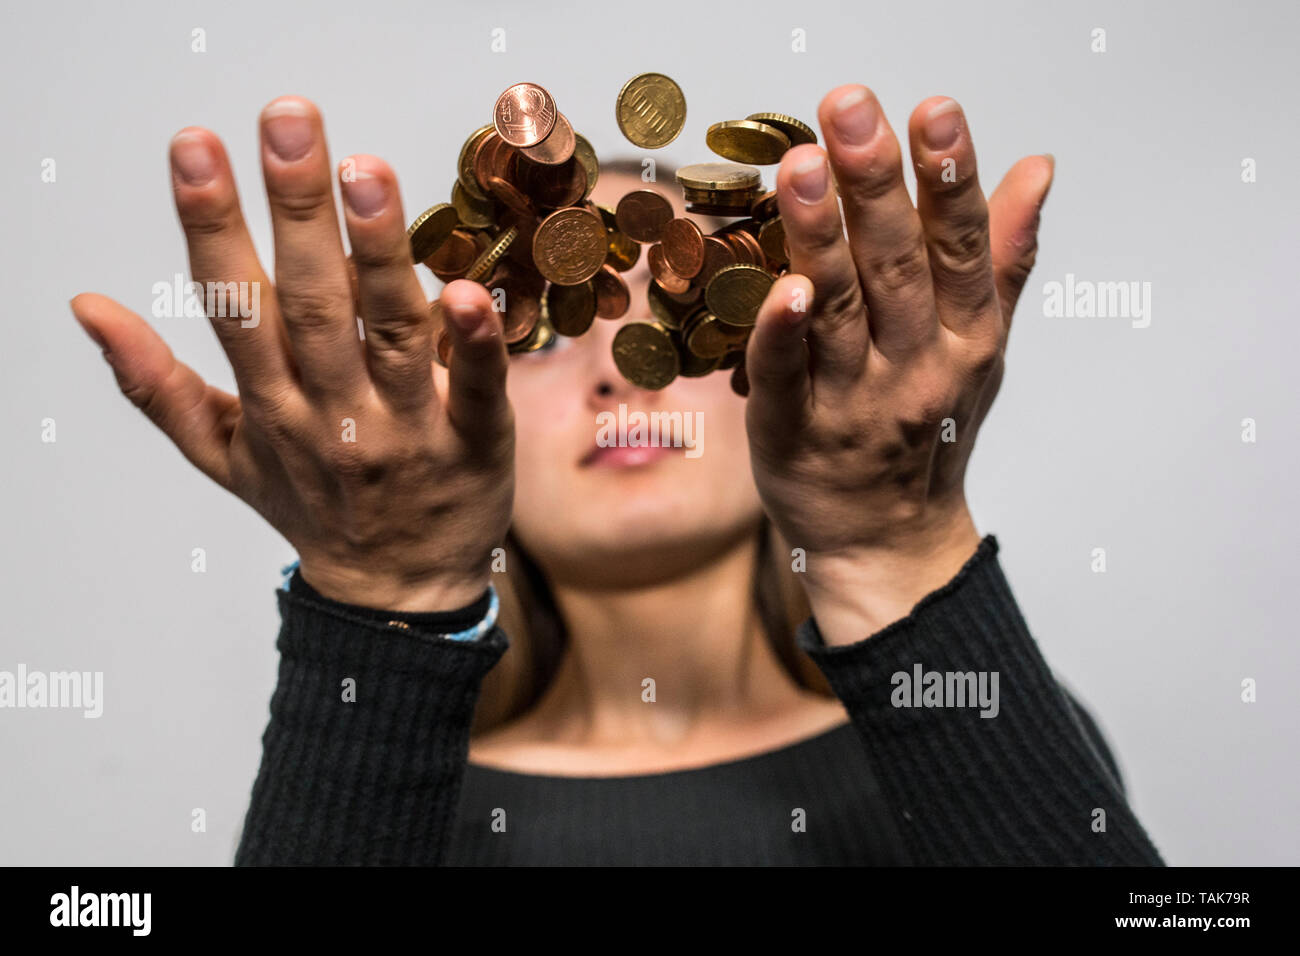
(537, 631)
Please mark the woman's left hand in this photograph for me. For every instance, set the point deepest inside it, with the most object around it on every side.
(875, 359)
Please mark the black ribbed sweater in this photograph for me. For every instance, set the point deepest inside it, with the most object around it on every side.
(384, 779)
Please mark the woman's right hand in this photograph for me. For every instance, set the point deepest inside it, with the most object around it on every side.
(394, 492)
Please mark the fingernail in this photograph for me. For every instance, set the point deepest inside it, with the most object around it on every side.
(856, 117)
(365, 195)
(193, 159)
(288, 129)
(942, 124)
(809, 179)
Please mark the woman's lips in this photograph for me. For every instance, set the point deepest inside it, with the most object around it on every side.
(627, 456)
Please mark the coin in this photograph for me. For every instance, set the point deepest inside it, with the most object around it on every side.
(431, 229)
(613, 298)
(748, 141)
(475, 213)
(571, 308)
(736, 292)
(524, 115)
(709, 338)
(642, 215)
(645, 355)
(746, 247)
(537, 339)
(651, 110)
(663, 272)
(556, 148)
(683, 246)
(516, 293)
(719, 177)
(465, 162)
(514, 200)
(483, 265)
(454, 257)
(551, 187)
(586, 157)
(772, 240)
(764, 206)
(570, 246)
(798, 133)
(670, 310)
(718, 254)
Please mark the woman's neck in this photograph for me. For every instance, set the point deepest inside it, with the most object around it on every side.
(664, 663)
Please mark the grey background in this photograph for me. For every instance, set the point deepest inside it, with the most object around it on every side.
(1104, 435)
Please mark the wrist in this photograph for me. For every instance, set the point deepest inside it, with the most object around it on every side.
(390, 592)
(856, 592)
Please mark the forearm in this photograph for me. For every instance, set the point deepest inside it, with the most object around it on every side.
(367, 742)
(1001, 775)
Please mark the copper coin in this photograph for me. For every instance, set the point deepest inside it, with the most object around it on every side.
(550, 187)
(517, 295)
(524, 114)
(764, 206)
(668, 308)
(512, 197)
(571, 308)
(642, 215)
(732, 358)
(570, 246)
(521, 250)
(746, 246)
(683, 247)
(663, 272)
(709, 338)
(613, 298)
(557, 147)
(455, 256)
(718, 254)
(482, 162)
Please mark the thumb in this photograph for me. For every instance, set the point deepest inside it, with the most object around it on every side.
(1014, 210)
(197, 417)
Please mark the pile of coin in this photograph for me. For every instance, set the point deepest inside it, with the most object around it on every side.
(520, 222)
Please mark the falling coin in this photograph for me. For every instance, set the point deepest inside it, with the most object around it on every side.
(736, 292)
(651, 110)
(431, 229)
(645, 355)
(642, 215)
(748, 141)
(524, 115)
(570, 246)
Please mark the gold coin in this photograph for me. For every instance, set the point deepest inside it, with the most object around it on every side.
(539, 338)
(747, 141)
(475, 213)
(651, 110)
(571, 308)
(709, 338)
(587, 159)
(482, 267)
(646, 355)
(431, 229)
(719, 177)
(465, 162)
(735, 293)
(798, 133)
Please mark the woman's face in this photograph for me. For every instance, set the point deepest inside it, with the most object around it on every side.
(623, 515)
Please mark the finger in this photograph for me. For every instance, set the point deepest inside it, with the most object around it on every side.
(838, 337)
(222, 259)
(197, 417)
(311, 275)
(954, 216)
(399, 344)
(1014, 210)
(476, 389)
(885, 231)
(776, 360)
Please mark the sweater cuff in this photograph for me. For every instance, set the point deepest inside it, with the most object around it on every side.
(427, 622)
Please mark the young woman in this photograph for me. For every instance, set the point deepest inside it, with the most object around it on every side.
(791, 647)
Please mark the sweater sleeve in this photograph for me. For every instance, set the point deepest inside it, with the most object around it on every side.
(363, 757)
(1024, 785)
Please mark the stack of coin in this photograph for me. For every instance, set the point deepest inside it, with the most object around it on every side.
(520, 222)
